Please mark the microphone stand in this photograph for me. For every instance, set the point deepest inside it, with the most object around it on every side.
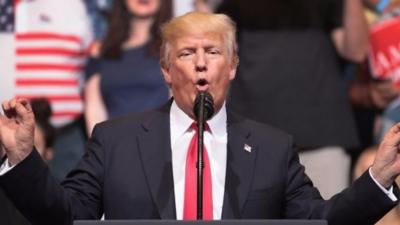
(200, 162)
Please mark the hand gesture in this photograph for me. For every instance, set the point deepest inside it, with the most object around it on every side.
(386, 166)
(383, 93)
(17, 129)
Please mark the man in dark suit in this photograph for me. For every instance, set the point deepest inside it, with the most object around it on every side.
(134, 167)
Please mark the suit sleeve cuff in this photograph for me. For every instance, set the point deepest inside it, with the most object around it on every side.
(388, 192)
(5, 167)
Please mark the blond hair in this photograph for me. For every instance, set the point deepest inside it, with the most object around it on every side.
(199, 23)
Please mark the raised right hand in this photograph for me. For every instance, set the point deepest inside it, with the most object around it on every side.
(17, 129)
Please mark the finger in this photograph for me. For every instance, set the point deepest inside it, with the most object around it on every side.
(5, 105)
(23, 112)
(382, 88)
(25, 102)
(13, 102)
(395, 128)
(8, 109)
(390, 93)
(393, 136)
(392, 132)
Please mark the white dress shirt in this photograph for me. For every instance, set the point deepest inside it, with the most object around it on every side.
(215, 141)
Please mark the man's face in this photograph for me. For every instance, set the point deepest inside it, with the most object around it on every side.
(199, 63)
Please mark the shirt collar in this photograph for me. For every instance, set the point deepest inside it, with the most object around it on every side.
(180, 122)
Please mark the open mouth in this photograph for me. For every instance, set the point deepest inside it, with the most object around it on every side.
(202, 85)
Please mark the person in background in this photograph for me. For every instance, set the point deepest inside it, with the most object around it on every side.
(52, 41)
(375, 97)
(290, 76)
(370, 99)
(44, 139)
(127, 77)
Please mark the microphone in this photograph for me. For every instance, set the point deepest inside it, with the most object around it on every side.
(203, 106)
(203, 110)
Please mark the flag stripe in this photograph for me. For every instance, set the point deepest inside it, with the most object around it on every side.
(66, 114)
(49, 36)
(34, 82)
(53, 98)
(45, 66)
(49, 44)
(48, 59)
(26, 74)
(47, 90)
(50, 51)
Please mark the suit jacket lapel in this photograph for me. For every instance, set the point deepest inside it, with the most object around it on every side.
(155, 151)
(240, 167)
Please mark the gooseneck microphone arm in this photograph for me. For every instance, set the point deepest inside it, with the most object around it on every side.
(203, 110)
(200, 163)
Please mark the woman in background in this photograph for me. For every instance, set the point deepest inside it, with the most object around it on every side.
(127, 76)
(290, 76)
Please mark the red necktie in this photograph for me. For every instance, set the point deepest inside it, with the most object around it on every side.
(190, 198)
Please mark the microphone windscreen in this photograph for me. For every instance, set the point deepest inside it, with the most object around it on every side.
(208, 102)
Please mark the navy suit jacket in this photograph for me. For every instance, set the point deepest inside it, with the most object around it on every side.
(126, 173)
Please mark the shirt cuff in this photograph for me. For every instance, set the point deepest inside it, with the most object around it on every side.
(389, 192)
(5, 167)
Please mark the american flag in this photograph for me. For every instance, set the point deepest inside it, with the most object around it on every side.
(51, 38)
(6, 16)
(7, 47)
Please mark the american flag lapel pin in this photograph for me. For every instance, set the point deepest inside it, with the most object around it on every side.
(247, 148)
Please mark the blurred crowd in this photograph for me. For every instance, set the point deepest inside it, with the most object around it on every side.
(327, 72)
